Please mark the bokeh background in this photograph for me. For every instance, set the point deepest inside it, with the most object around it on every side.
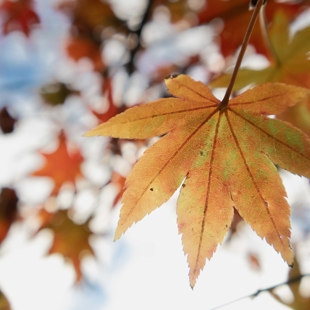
(65, 67)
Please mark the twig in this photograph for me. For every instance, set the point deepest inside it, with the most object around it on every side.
(289, 281)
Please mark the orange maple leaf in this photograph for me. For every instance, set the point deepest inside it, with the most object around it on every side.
(224, 158)
(61, 165)
(70, 239)
(81, 46)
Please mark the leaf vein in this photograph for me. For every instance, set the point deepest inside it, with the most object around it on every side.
(271, 136)
(166, 114)
(198, 94)
(254, 102)
(208, 192)
(252, 178)
(172, 157)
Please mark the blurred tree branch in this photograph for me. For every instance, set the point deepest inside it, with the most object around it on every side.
(268, 289)
(138, 33)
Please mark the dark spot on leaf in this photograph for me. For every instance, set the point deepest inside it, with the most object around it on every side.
(151, 189)
(183, 185)
(266, 203)
(201, 153)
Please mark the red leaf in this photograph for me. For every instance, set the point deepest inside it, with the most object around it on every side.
(19, 15)
(112, 109)
(61, 165)
(83, 47)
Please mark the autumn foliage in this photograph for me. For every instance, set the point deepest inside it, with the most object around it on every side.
(223, 155)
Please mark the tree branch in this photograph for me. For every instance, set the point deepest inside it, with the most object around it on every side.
(138, 33)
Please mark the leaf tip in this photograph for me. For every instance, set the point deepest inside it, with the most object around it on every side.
(117, 235)
(171, 76)
(119, 232)
(92, 133)
(88, 134)
(292, 264)
(193, 276)
(192, 283)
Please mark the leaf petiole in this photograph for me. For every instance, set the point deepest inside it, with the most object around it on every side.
(264, 29)
(224, 103)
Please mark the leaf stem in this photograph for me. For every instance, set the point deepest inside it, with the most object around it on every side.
(264, 29)
(224, 102)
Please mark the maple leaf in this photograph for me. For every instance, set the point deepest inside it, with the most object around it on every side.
(90, 18)
(112, 108)
(226, 156)
(292, 64)
(70, 239)
(81, 46)
(61, 165)
(236, 15)
(19, 15)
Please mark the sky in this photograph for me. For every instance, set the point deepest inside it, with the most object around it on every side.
(146, 268)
